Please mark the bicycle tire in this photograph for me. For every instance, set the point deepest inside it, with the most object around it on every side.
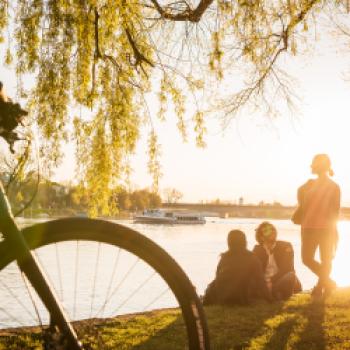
(105, 232)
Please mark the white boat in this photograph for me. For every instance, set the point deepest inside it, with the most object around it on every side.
(158, 216)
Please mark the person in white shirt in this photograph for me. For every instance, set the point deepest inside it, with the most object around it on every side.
(277, 260)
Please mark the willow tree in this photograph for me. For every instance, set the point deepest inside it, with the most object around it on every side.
(95, 61)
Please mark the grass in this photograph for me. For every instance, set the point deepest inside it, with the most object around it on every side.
(300, 323)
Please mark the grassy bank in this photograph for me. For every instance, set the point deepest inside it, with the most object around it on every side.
(300, 323)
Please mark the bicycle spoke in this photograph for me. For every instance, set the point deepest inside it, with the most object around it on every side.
(166, 290)
(12, 317)
(58, 264)
(32, 299)
(76, 278)
(127, 274)
(134, 292)
(43, 268)
(95, 278)
(115, 265)
(17, 299)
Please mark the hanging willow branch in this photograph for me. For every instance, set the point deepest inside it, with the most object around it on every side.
(190, 15)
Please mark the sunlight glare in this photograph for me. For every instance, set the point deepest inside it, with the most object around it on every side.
(340, 271)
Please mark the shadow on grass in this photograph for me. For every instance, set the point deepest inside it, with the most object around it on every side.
(298, 323)
(229, 327)
(171, 337)
(314, 332)
(161, 329)
(235, 327)
(300, 326)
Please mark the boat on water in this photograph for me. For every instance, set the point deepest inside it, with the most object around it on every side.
(158, 216)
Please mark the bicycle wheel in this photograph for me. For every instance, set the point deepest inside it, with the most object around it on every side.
(105, 275)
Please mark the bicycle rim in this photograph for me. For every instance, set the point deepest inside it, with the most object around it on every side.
(106, 274)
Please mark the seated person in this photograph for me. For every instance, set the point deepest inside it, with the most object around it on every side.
(239, 272)
(277, 259)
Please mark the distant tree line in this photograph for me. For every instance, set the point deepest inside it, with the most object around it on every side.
(137, 200)
(55, 198)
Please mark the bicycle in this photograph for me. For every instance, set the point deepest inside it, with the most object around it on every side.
(22, 246)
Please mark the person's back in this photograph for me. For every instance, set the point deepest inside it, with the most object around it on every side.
(320, 201)
(237, 274)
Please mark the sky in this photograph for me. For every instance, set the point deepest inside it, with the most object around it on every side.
(261, 159)
(256, 158)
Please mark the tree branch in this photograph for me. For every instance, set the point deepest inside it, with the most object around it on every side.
(300, 17)
(139, 57)
(191, 15)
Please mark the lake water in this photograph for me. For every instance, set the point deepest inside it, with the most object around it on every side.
(196, 248)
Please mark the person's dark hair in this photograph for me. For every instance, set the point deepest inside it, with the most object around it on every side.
(236, 240)
(265, 229)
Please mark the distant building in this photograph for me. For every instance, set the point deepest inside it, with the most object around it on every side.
(240, 201)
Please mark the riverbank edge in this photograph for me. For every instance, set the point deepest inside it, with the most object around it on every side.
(299, 323)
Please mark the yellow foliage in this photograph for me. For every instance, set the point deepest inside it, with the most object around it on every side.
(100, 55)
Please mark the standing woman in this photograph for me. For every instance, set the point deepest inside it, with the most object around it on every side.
(319, 204)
